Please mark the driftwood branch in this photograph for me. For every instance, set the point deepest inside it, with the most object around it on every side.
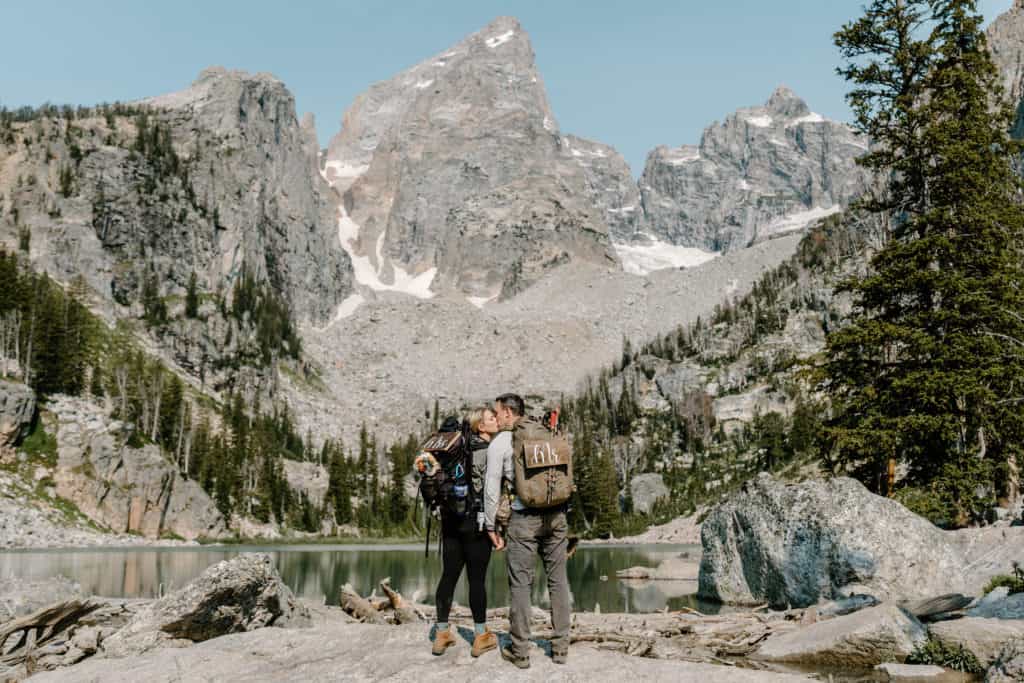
(392, 608)
(404, 613)
(682, 635)
(360, 607)
(34, 631)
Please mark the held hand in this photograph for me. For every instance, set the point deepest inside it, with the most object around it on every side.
(496, 540)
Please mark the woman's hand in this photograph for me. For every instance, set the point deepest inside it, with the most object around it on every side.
(496, 540)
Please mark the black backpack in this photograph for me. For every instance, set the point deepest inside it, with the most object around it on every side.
(449, 488)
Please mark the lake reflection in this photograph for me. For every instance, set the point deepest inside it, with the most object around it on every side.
(317, 572)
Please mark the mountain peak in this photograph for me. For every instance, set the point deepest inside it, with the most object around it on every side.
(464, 143)
(215, 83)
(500, 24)
(785, 102)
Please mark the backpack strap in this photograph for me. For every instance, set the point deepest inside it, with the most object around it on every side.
(426, 548)
(467, 463)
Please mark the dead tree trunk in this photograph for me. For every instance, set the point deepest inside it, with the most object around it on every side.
(404, 613)
(359, 607)
(40, 627)
(121, 379)
(158, 394)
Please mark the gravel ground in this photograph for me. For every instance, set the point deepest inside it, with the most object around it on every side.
(389, 361)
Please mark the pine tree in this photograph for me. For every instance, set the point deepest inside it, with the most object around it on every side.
(398, 504)
(192, 298)
(338, 488)
(930, 369)
(606, 491)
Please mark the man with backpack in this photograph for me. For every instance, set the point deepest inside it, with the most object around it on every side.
(539, 464)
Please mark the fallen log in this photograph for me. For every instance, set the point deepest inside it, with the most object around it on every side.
(359, 607)
(404, 613)
(35, 631)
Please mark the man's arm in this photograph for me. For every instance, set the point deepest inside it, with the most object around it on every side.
(498, 453)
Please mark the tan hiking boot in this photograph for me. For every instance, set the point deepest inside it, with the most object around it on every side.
(442, 641)
(485, 642)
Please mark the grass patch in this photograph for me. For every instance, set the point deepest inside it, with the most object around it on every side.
(935, 652)
(40, 446)
(1015, 582)
(310, 379)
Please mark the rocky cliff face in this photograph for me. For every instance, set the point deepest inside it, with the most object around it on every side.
(1006, 42)
(263, 188)
(764, 171)
(609, 184)
(453, 174)
(214, 176)
(126, 489)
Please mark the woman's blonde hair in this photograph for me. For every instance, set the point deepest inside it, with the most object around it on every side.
(475, 417)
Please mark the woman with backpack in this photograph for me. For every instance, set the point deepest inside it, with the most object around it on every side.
(465, 543)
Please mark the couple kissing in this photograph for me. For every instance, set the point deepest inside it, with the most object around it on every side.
(500, 481)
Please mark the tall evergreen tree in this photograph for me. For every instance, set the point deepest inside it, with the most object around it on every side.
(930, 370)
(192, 297)
(398, 503)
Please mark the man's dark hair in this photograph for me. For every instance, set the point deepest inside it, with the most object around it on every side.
(513, 402)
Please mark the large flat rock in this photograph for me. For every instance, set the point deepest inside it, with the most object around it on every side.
(855, 641)
(360, 652)
(910, 673)
(793, 545)
(983, 637)
(244, 593)
(989, 551)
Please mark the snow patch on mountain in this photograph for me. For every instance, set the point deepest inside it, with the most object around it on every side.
(682, 155)
(345, 309)
(760, 121)
(481, 301)
(798, 220)
(813, 117)
(641, 259)
(365, 272)
(369, 275)
(500, 39)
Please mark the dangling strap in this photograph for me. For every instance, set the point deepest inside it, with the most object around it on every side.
(426, 548)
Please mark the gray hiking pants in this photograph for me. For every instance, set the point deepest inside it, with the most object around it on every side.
(528, 533)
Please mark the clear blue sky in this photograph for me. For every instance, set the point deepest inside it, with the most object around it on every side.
(631, 74)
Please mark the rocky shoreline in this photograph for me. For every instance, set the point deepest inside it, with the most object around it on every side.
(832, 598)
(681, 531)
(27, 523)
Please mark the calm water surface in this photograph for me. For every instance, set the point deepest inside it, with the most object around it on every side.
(318, 571)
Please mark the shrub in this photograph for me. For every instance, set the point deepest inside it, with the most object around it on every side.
(935, 652)
(40, 445)
(1015, 582)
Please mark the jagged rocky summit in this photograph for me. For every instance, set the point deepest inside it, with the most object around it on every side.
(217, 175)
(271, 205)
(762, 172)
(453, 174)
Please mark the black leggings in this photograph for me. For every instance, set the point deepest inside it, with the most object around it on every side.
(471, 549)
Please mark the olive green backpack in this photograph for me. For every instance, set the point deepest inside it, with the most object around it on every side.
(542, 463)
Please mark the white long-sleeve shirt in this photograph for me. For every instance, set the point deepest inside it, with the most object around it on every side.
(499, 466)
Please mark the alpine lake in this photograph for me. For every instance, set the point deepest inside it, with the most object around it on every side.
(317, 572)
